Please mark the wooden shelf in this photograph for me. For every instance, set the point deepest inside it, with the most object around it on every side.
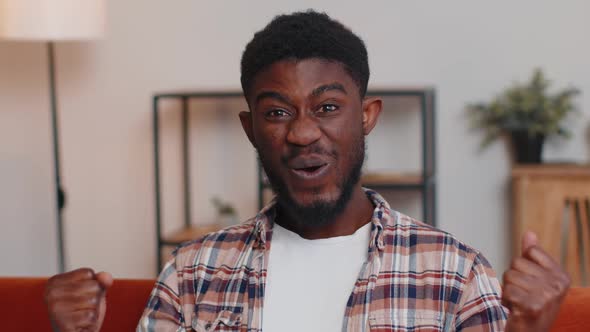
(551, 170)
(191, 233)
(384, 179)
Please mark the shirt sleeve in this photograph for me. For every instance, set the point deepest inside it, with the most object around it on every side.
(164, 310)
(480, 307)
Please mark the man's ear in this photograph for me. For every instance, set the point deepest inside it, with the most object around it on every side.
(371, 110)
(246, 119)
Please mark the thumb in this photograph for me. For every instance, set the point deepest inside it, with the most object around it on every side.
(529, 239)
(105, 279)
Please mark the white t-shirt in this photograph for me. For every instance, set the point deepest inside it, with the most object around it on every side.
(310, 281)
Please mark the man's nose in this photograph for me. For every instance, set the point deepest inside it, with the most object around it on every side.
(303, 130)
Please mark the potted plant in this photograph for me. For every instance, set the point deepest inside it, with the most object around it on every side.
(528, 114)
(226, 214)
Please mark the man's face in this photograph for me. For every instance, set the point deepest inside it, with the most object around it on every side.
(306, 122)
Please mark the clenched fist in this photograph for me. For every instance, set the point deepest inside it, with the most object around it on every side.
(76, 300)
(534, 287)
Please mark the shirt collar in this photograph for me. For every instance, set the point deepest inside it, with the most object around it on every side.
(382, 216)
(263, 224)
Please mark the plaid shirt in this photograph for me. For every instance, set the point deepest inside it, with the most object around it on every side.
(416, 278)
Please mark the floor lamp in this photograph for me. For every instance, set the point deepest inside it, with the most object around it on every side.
(51, 21)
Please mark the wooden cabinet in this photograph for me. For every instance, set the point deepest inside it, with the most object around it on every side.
(554, 202)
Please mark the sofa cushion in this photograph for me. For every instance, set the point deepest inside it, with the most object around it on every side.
(24, 308)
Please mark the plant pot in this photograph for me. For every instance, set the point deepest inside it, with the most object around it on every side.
(527, 149)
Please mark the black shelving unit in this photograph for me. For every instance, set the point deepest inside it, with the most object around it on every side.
(424, 181)
(184, 98)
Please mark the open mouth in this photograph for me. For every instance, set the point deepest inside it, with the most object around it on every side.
(310, 171)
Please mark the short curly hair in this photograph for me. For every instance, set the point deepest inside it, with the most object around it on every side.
(305, 35)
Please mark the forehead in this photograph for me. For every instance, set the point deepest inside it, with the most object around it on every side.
(301, 77)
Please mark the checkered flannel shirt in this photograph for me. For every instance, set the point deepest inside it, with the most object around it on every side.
(416, 278)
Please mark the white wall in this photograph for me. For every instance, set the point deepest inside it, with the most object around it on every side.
(27, 216)
(468, 50)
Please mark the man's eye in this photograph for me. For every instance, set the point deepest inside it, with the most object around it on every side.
(327, 108)
(278, 113)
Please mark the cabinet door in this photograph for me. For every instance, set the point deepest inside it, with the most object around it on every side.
(557, 209)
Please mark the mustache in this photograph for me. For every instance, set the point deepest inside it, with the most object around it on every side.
(295, 152)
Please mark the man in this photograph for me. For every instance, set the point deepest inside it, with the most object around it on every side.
(326, 254)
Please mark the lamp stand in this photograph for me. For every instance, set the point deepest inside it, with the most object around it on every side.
(60, 194)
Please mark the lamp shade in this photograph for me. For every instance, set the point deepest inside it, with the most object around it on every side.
(52, 20)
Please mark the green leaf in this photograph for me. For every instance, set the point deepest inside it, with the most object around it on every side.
(527, 107)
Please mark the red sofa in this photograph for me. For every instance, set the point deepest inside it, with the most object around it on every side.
(22, 307)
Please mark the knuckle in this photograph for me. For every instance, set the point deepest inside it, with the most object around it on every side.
(85, 272)
(556, 286)
(89, 286)
(94, 287)
(93, 301)
(511, 276)
(517, 263)
(57, 277)
(547, 295)
(90, 316)
(535, 309)
(51, 282)
(514, 263)
(508, 292)
(51, 295)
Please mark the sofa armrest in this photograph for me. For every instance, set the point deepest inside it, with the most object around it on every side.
(23, 308)
(574, 314)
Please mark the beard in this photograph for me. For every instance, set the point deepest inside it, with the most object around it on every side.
(320, 212)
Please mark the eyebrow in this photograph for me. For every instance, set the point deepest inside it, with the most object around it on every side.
(315, 93)
(324, 88)
(271, 95)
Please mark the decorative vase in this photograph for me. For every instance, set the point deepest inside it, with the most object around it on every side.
(527, 149)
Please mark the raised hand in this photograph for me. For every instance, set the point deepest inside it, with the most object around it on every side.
(76, 300)
(534, 288)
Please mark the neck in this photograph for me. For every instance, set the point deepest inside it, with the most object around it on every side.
(357, 213)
